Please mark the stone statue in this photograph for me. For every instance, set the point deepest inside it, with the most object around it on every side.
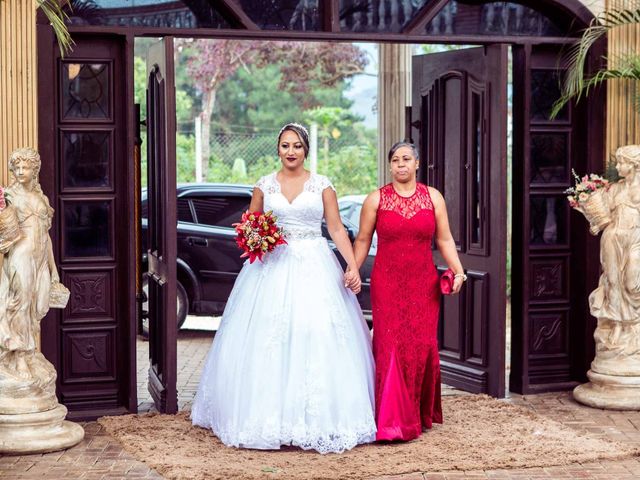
(31, 419)
(615, 371)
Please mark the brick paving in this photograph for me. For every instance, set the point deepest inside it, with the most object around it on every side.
(101, 457)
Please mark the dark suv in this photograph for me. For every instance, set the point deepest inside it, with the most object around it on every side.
(208, 258)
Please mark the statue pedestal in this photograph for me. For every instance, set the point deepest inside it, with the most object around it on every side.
(38, 432)
(31, 419)
(613, 392)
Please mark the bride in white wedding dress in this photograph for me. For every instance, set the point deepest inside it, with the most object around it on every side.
(291, 363)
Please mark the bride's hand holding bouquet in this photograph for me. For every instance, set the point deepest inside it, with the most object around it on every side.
(258, 234)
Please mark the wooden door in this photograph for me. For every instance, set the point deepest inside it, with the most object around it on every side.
(86, 173)
(552, 330)
(459, 121)
(162, 251)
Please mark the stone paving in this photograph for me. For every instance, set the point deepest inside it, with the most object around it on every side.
(101, 457)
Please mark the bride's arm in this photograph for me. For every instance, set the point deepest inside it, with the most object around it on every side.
(340, 238)
(257, 200)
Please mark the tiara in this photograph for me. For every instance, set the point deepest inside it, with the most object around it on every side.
(293, 124)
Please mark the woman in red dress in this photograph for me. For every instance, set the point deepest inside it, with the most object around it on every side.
(405, 295)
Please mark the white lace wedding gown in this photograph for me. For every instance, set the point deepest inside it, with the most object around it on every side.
(291, 363)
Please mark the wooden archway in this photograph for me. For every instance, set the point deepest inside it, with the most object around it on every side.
(92, 343)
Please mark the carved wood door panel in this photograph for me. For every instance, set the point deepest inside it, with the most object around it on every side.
(162, 250)
(459, 121)
(84, 123)
(550, 318)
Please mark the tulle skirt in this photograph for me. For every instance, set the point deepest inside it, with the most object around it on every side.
(291, 363)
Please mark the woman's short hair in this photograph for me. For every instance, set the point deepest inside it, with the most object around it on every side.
(394, 148)
(300, 131)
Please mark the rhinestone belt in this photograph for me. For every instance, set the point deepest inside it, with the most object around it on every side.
(301, 233)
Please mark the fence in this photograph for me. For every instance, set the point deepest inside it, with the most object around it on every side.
(350, 161)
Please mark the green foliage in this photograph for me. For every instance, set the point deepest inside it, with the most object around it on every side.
(328, 118)
(184, 99)
(249, 110)
(221, 171)
(140, 82)
(185, 158)
(578, 83)
(352, 169)
(251, 100)
(57, 18)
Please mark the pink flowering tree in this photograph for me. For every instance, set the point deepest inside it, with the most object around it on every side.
(211, 62)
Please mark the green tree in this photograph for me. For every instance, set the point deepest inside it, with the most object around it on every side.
(352, 169)
(212, 62)
(252, 100)
(185, 142)
(330, 120)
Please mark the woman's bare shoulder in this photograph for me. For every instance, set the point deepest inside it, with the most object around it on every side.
(372, 200)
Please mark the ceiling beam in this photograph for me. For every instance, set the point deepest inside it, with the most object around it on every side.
(423, 16)
(233, 13)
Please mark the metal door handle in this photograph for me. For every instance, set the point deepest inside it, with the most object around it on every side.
(200, 241)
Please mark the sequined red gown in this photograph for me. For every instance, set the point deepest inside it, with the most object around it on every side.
(405, 298)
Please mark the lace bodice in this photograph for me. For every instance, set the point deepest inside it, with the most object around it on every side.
(405, 206)
(304, 214)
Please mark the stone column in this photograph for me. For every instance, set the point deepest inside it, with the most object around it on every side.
(623, 118)
(394, 93)
(18, 76)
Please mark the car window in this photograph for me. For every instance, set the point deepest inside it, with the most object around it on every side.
(344, 209)
(220, 211)
(184, 210)
(355, 214)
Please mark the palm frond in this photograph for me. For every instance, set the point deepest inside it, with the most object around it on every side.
(622, 68)
(57, 17)
(575, 83)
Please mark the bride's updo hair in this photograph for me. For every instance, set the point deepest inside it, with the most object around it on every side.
(394, 148)
(300, 131)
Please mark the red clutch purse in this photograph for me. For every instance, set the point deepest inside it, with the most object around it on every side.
(446, 281)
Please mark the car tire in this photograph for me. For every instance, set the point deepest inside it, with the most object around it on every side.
(182, 304)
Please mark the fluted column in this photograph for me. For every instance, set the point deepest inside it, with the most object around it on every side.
(18, 72)
(623, 119)
(394, 93)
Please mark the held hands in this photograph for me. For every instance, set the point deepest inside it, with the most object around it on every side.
(352, 279)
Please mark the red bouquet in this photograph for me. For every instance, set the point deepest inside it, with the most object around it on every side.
(258, 234)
